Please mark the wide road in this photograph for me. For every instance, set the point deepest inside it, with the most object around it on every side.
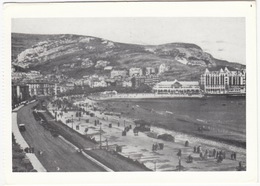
(57, 156)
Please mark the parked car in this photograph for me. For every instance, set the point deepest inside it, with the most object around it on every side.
(22, 127)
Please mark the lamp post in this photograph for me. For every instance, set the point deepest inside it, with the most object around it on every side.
(100, 137)
(72, 121)
(107, 143)
(56, 114)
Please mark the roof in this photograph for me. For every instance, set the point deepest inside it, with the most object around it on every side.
(183, 83)
(108, 68)
(19, 84)
(189, 83)
(218, 68)
(167, 82)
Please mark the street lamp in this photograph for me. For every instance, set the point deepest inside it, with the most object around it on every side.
(100, 137)
(107, 143)
(72, 121)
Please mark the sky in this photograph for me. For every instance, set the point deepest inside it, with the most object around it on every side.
(224, 38)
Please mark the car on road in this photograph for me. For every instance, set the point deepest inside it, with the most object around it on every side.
(22, 127)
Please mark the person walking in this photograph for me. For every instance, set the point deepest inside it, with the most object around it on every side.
(179, 153)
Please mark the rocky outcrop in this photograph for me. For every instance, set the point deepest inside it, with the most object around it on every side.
(70, 53)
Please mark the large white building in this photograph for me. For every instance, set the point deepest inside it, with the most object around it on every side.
(116, 73)
(135, 72)
(41, 88)
(177, 87)
(162, 68)
(223, 81)
(99, 83)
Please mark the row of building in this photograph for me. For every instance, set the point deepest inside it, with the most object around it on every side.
(220, 81)
(24, 91)
(136, 71)
(134, 77)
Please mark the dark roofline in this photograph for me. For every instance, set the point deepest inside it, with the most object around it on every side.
(217, 68)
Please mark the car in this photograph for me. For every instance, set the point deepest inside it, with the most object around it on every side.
(22, 127)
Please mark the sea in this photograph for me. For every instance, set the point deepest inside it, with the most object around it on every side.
(223, 117)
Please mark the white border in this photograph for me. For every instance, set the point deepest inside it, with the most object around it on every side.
(141, 9)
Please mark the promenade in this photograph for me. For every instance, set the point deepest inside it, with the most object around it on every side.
(140, 147)
(142, 96)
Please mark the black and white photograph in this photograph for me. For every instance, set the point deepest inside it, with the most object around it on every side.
(129, 94)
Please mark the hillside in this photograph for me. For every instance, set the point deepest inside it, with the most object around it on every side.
(76, 56)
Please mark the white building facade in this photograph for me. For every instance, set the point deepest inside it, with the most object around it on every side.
(177, 87)
(135, 72)
(224, 81)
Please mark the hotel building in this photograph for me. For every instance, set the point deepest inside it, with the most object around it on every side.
(20, 92)
(41, 88)
(224, 81)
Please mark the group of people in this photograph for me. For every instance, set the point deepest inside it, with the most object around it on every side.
(29, 150)
(219, 155)
(157, 146)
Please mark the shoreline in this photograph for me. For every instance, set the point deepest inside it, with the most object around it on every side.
(143, 96)
(137, 96)
(216, 133)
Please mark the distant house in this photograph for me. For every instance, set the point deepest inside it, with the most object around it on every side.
(151, 79)
(115, 73)
(99, 83)
(108, 68)
(162, 68)
(101, 64)
(33, 75)
(127, 83)
(111, 82)
(18, 75)
(68, 86)
(135, 72)
(150, 70)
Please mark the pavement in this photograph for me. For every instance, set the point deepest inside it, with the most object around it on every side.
(20, 140)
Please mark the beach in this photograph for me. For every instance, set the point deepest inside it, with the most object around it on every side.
(139, 147)
(224, 117)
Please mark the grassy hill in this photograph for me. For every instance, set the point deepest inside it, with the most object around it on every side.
(76, 56)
